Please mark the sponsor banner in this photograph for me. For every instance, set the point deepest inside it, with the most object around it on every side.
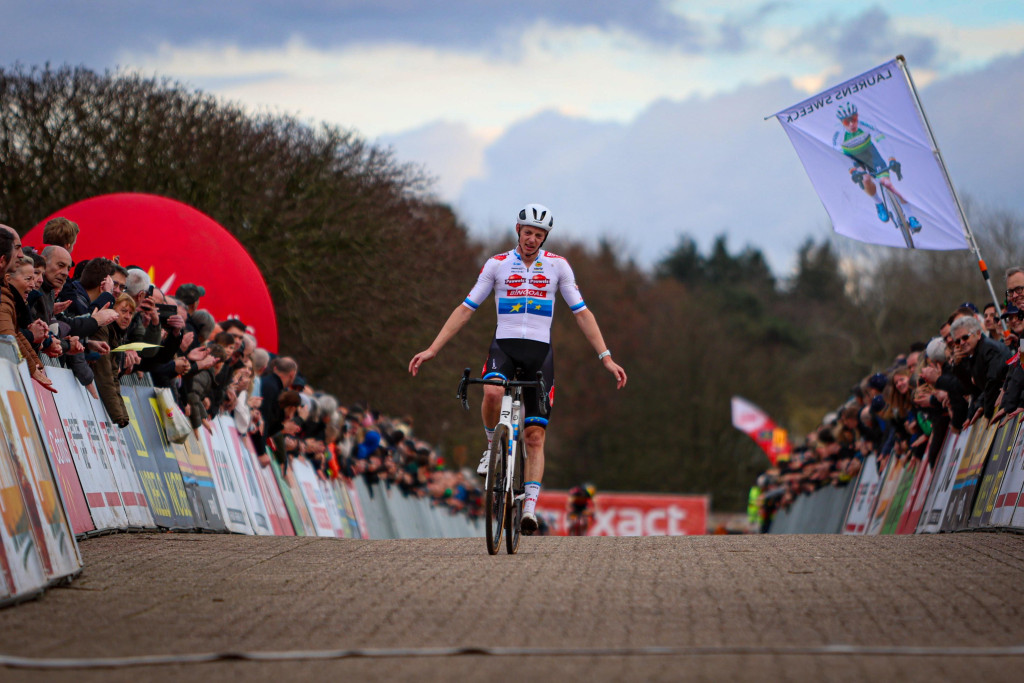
(864, 497)
(157, 466)
(995, 470)
(52, 533)
(101, 494)
(185, 468)
(961, 499)
(631, 514)
(346, 508)
(309, 487)
(890, 482)
(61, 462)
(901, 498)
(297, 512)
(1003, 512)
(229, 493)
(197, 474)
(942, 484)
(355, 509)
(276, 510)
(918, 494)
(338, 523)
(21, 568)
(865, 133)
(245, 474)
(115, 449)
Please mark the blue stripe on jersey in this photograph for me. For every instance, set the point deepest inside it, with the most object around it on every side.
(469, 303)
(577, 307)
(544, 307)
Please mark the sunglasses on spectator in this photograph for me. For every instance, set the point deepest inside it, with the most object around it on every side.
(960, 340)
(1015, 292)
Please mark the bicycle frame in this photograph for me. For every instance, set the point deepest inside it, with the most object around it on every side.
(503, 505)
(890, 198)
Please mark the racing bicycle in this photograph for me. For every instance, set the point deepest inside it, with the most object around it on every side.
(890, 199)
(504, 489)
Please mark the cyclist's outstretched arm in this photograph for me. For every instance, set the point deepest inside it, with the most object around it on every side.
(588, 324)
(455, 322)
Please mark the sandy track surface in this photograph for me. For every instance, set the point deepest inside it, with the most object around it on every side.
(722, 607)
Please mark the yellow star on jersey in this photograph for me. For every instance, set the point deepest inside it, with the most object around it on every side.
(515, 309)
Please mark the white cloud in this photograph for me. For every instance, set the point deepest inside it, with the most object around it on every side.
(386, 88)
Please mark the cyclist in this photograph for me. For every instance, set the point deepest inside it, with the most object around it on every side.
(580, 505)
(857, 143)
(524, 281)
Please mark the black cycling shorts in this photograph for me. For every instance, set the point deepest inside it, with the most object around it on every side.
(505, 355)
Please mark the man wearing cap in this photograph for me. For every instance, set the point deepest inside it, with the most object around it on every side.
(189, 294)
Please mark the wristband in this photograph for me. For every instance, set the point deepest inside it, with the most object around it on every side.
(604, 353)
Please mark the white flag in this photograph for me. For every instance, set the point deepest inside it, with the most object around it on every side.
(868, 152)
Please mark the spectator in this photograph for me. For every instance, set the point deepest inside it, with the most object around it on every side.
(980, 365)
(283, 440)
(197, 399)
(16, 241)
(111, 366)
(279, 377)
(1014, 318)
(190, 294)
(13, 310)
(94, 289)
(61, 232)
(991, 322)
(203, 324)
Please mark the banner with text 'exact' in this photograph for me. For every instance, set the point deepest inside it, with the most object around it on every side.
(868, 152)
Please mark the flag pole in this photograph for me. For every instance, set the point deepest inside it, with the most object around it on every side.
(968, 234)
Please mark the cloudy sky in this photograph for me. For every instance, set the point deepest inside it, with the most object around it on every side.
(636, 120)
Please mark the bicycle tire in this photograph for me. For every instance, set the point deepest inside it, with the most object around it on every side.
(898, 216)
(513, 530)
(496, 496)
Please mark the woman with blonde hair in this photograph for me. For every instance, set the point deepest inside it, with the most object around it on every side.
(14, 315)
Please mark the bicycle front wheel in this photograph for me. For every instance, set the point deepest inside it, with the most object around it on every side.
(899, 217)
(515, 503)
(496, 494)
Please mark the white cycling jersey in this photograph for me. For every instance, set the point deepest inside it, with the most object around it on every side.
(525, 297)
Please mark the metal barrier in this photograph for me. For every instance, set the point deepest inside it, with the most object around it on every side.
(821, 512)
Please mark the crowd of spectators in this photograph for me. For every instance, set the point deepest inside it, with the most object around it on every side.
(104, 321)
(969, 371)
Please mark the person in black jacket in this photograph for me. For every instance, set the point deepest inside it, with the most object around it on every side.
(980, 365)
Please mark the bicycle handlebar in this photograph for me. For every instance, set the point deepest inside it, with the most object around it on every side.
(857, 174)
(542, 394)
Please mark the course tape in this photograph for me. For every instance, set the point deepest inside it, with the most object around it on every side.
(396, 653)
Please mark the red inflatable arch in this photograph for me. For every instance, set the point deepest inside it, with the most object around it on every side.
(176, 244)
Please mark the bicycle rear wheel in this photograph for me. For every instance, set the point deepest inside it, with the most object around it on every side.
(495, 496)
(898, 216)
(515, 503)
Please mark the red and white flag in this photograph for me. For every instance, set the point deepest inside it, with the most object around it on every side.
(756, 424)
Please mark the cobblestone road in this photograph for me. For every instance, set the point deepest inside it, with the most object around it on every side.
(147, 594)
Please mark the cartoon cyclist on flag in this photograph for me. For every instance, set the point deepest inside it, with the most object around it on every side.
(857, 140)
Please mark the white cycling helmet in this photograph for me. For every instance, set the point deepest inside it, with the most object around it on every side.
(537, 215)
(845, 112)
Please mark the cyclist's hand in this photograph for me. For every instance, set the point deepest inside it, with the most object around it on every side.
(615, 369)
(418, 359)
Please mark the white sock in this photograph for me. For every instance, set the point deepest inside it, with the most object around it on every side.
(490, 437)
(532, 493)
